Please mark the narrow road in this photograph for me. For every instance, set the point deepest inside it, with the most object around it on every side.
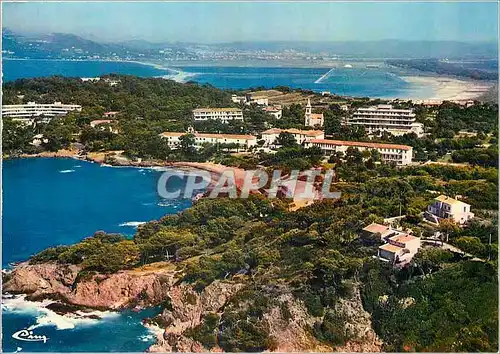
(447, 246)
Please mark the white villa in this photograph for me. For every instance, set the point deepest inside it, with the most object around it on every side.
(448, 208)
(313, 119)
(243, 141)
(386, 118)
(398, 247)
(238, 99)
(275, 111)
(90, 79)
(24, 112)
(397, 154)
(222, 114)
(301, 136)
(109, 81)
(105, 124)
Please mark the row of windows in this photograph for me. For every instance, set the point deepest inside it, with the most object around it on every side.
(361, 147)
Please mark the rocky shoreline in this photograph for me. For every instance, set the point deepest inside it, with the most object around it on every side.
(74, 292)
(116, 159)
(184, 308)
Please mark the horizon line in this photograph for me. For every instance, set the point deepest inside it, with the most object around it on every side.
(105, 41)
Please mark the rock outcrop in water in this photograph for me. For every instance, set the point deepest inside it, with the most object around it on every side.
(185, 309)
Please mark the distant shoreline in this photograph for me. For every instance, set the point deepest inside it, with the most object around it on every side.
(447, 88)
(425, 85)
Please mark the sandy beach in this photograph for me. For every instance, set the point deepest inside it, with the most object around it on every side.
(445, 88)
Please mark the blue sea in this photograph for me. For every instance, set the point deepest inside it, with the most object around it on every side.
(358, 81)
(374, 82)
(14, 69)
(49, 202)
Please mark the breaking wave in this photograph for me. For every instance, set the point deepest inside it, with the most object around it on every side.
(132, 223)
(47, 317)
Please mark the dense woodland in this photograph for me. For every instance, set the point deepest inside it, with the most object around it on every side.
(440, 302)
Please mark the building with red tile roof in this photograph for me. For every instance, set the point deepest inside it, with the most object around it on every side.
(244, 141)
(301, 136)
(395, 153)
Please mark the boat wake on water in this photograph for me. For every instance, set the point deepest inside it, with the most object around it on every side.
(324, 76)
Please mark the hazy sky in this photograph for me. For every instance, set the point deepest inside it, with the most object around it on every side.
(246, 21)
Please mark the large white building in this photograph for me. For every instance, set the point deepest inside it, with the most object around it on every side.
(313, 119)
(269, 136)
(392, 153)
(448, 208)
(384, 117)
(222, 114)
(243, 141)
(25, 112)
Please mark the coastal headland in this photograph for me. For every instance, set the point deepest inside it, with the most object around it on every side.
(161, 283)
(253, 274)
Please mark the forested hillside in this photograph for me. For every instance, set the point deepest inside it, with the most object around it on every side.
(441, 302)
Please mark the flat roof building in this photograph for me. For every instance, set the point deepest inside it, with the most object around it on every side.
(222, 114)
(384, 117)
(25, 112)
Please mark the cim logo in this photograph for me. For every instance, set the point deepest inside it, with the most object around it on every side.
(28, 336)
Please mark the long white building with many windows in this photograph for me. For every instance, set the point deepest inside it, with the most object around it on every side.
(242, 141)
(25, 112)
(222, 114)
(392, 153)
(386, 118)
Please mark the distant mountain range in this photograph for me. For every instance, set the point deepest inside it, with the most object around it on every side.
(63, 45)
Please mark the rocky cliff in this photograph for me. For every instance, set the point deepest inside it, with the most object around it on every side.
(120, 290)
(186, 309)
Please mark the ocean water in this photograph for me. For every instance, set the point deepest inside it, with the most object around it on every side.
(48, 202)
(357, 81)
(372, 82)
(114, 332)
(14, 69)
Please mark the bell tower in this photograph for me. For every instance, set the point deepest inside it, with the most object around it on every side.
(308, 112)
